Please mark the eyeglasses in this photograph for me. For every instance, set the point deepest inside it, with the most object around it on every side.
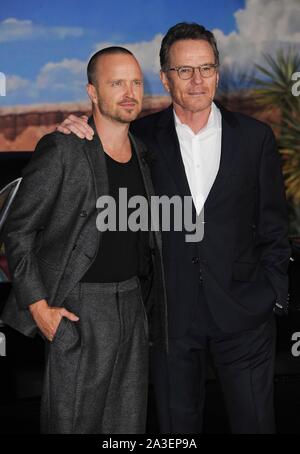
(187, 72)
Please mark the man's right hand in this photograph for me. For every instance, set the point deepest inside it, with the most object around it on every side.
(77, 125)
(48, 318)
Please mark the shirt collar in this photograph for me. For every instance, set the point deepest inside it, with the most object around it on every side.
(214, 121)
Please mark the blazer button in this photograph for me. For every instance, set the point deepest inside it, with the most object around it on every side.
(200, 278)
(195, 260)
(83, 214)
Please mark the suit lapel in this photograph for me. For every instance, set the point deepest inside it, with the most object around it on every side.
(96, 158)
(229, 148)
(139, 150)
(169, 144)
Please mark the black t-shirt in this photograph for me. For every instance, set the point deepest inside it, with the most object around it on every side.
(121, 254)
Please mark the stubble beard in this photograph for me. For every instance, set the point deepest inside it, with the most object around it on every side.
(116, 116)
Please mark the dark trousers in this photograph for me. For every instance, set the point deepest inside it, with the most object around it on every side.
(96, 376)
(244, 364)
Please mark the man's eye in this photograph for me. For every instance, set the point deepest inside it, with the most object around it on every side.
(185, 70)
(116, 83)
(138, 82)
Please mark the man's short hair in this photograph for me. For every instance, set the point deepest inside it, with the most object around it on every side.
(181, 31)
(92, 64)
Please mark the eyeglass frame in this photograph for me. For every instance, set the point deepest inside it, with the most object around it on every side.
(211, 65)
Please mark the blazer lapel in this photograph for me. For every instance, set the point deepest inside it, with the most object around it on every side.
(96, 158)
(140, 152)
(169, 144)
(229, 148)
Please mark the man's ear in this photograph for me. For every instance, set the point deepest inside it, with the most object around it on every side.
(91, 91)
(164, 80)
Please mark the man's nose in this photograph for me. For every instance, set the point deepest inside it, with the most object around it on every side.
(129, 90)
(197, 78)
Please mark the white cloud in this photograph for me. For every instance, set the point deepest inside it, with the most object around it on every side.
(147, 52)
(55, 82)
(12, 29)
(15, 83)
(262, 27)
(60, 75)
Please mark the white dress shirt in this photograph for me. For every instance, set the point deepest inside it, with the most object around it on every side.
(201, 154)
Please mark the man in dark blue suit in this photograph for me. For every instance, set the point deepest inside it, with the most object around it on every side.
(222, 291)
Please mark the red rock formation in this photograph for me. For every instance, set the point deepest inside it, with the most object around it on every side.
(22, 126)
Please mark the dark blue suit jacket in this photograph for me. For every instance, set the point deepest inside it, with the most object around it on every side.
(244, 255)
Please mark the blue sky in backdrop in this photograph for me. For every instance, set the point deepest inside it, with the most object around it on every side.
(45, 46)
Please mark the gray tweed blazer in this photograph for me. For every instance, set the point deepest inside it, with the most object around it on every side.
(50, 234)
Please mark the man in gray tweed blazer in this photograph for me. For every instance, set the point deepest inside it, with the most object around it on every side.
(89, 292)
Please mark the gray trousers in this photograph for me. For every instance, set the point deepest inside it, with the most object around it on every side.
(96, 375)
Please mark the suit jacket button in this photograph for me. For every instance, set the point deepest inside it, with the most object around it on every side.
(195, 260)
(83, 214)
